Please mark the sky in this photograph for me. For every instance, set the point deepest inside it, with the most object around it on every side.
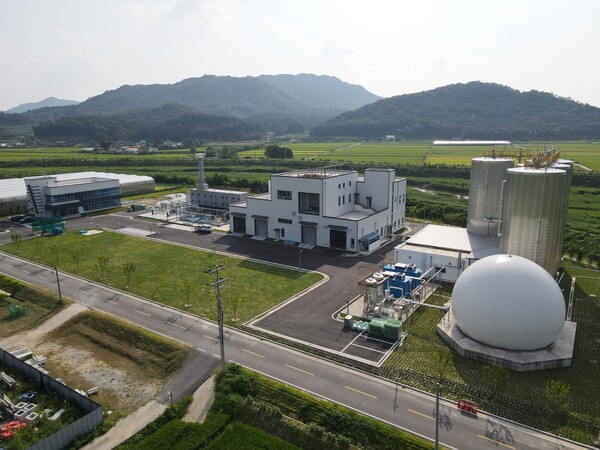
(76, 49)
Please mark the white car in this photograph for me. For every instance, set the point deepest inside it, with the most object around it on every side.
(204, 228)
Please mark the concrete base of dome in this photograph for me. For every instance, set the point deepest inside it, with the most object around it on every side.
(558, 354)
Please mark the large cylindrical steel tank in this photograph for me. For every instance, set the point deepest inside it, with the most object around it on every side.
(532, 215)
(485, 194)
(567, 166)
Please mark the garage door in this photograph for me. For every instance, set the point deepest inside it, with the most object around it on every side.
(309, 235)
(239, 224)
(261, 228)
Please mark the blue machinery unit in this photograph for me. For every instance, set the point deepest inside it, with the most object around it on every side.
(401, 279)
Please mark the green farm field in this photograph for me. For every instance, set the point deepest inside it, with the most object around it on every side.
(301, 150)
(169, 274)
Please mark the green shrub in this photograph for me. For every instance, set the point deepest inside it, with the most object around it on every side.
(241, 436)
(9, 284)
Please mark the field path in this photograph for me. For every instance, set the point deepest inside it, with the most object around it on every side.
(335, 150)
(127, 427)
(30, 338)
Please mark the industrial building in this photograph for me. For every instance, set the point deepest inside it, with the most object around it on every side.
(507, 310)
(15, 196)
(204, 197)
(328, 206)
(513, 210)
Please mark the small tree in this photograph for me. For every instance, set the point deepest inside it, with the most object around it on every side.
(16, 237)
(557, 394)
(54, 253)
(103, 266)
(187, 288)
(497, 377)
(38, 245)
(128, 268)
(76, 257)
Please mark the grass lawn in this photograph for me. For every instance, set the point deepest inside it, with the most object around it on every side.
(170, 274)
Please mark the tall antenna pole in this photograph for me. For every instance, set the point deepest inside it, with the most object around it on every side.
(217, 284)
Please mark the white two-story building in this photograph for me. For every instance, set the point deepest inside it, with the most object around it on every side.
(328, 207)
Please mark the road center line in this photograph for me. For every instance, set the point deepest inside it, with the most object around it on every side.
(421, 414)
(211, 337)
(113, 302)
(495, 442)
(252, 353)
(176, 325)
(142, 312)
(299, 370)
(360, 392)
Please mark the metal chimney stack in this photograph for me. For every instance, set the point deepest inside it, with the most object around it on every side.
(201, 184)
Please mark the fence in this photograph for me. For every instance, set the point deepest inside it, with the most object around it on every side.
(65, 435)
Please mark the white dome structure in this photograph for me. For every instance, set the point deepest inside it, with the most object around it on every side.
(509, 302)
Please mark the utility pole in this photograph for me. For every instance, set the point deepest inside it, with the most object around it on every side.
(437, 416)
(300, 259)
(217, 285)
(58, 283)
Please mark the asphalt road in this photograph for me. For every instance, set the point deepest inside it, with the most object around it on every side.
(400, 406)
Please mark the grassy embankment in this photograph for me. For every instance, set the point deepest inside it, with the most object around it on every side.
(38, 305)
(252, 411)
(173, 275)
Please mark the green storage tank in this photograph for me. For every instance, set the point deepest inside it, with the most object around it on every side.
(392, 329)
(376, 327)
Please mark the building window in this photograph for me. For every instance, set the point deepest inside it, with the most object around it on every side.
(344, 199)
(349, 198)
(368, 202)
(284, 195)
(339, 201)
(288, 221)
(282, 232)
(343, 185)
(352, 243)
(349, 183)
(339, 186)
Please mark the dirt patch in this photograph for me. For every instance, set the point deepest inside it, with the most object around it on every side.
(125, 366)
(120, 388)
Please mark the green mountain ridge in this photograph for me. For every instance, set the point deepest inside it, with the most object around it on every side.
(474, 110)
(242, 97)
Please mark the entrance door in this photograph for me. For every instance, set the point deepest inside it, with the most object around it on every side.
(309, 235)
(337, 239)
(261, 228)
(239, 224)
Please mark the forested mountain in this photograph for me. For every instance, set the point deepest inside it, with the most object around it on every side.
(47, 102)
(322, 91)
(299, 99)
(473, 110)
(173, 122)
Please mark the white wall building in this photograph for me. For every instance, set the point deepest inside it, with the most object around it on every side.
(205, 197)
(49, 196)
(452, 249)
(13, 191)
(329, 207)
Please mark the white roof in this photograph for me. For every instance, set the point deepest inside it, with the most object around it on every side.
(15, 187)
(455, 239)
(471, 142)
(12, 187)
